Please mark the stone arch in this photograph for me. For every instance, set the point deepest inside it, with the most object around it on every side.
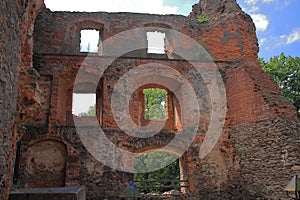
(45, 164)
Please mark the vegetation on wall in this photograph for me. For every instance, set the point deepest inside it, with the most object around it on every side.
(202, 18)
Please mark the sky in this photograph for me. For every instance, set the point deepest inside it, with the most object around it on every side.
(277, 21)
(278, 25)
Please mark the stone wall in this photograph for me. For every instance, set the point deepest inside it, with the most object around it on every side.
(16, 19)
(81, 167)
(266, 156)
(254, 157)
(9, 61)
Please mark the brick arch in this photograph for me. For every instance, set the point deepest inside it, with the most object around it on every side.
(158, 25)
(153, 85)
(45, 163)
(83, 87)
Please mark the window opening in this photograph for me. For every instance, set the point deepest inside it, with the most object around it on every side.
(156, 42)
(155, 103)
(84, 104)
(159, 181)
(89, 41)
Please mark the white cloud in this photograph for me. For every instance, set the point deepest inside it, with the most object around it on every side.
(294, 36)
(261, 21)
(268, 1)
(274, 42)
(262, 41)
(253, 9)
(251, 2)
(137, 6)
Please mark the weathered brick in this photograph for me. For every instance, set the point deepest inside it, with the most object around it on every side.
(253, 158)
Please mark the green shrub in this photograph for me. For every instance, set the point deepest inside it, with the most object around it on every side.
(202, 18)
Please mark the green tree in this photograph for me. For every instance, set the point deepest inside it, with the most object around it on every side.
(286, 73)
(170, 172)
(90, 112)
(155, 103)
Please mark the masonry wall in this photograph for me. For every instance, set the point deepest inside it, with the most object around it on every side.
(17, 26)
(225, 36)
(81, 167)
(9, 60)
(274, 146)
(255, 156)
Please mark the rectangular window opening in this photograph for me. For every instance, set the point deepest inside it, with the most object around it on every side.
(155, 104)
(89, 41)
(163, 179)
(156, 42)
(84, 104)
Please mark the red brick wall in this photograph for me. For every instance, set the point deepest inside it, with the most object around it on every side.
(229, 36)
(253, 96)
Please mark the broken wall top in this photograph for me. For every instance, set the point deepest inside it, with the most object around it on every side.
(228, 34)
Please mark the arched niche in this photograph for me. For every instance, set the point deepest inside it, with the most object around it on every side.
(45, 164)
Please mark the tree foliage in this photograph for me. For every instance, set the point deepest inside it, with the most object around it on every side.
(170, 172)
(90, 112)
(155, 103)
(286, 73)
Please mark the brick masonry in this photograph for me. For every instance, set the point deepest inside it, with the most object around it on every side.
(17, 22)
(9, 46)
(254, 157)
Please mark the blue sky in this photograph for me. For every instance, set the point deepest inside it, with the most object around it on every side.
(278, 25)
(277, 21)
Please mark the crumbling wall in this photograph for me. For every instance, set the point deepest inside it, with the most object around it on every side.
(259, 143)
(9, 60)
(81, 167)
(16, 19)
